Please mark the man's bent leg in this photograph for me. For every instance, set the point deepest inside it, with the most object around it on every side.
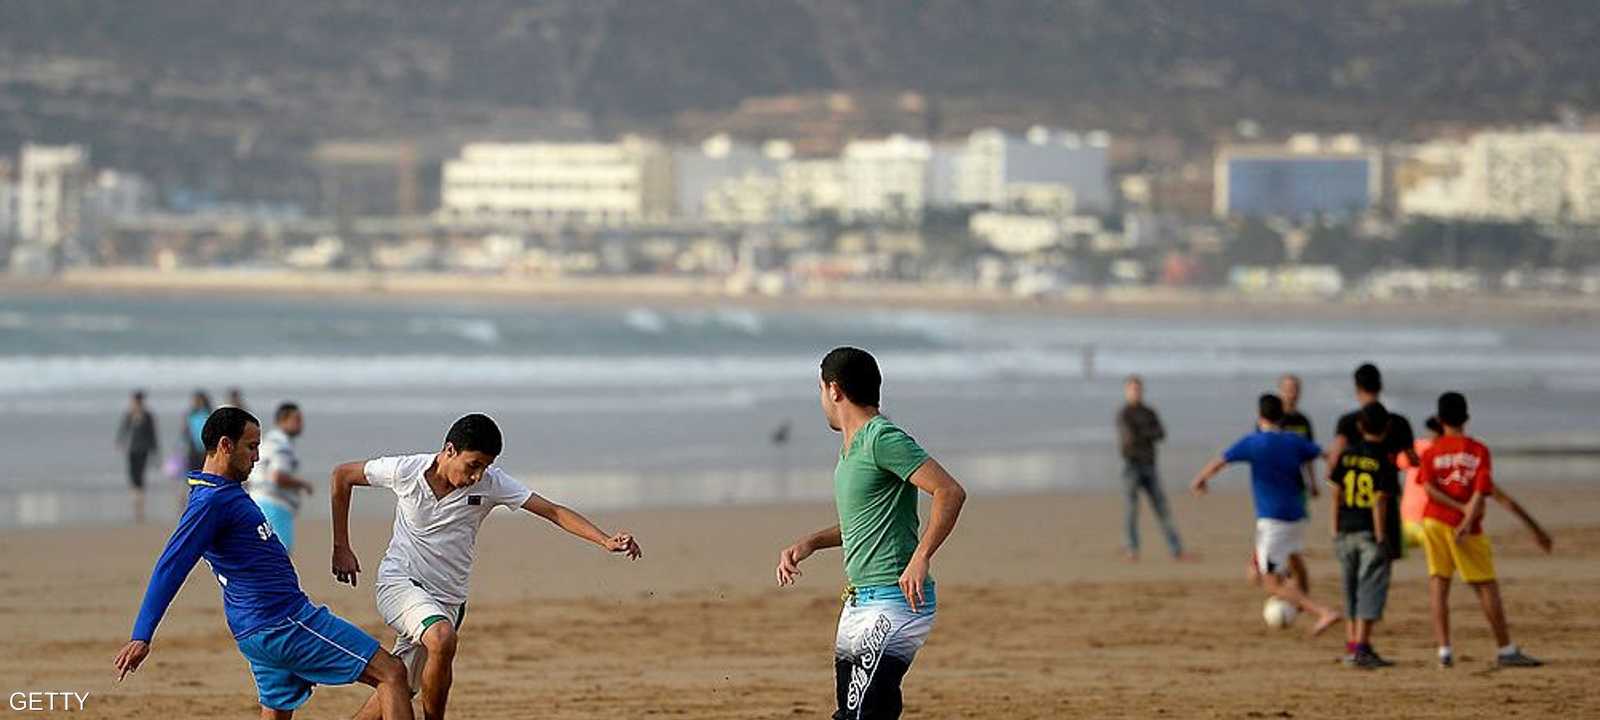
(386, 673)
(1278, 586)
(371, 710)
(1302, 579)
(437, 673)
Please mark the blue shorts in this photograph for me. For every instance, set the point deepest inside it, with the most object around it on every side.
(311, 647)
(281, 519)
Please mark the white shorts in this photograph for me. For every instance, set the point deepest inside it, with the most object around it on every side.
(1276, 540)
(405, 606)
(877, 629)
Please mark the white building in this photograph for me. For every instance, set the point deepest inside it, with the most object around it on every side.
(116, 194)
(995, 166)
(8, 204)
(50, 192)
(591, 184)
(1545, 175)
(808, 186)
(886, 179)
(725, 181)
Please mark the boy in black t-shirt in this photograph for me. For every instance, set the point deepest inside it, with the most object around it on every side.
(1366, 530)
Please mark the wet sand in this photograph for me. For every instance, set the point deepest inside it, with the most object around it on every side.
(1039, 618)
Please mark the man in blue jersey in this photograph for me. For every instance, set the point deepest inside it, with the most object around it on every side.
(1276, 458)
(291, 644)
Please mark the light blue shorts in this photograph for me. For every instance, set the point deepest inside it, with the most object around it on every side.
(312, 647)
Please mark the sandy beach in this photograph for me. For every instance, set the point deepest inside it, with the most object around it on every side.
(1039, 618)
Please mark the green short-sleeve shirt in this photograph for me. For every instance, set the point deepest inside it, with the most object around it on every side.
(877, 502)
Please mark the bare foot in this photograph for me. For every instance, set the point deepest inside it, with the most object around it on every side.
(1327, 620)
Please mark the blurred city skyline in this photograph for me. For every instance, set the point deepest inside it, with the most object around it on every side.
(1388, 148)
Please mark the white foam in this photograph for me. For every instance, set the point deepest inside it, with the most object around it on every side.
(33, 374)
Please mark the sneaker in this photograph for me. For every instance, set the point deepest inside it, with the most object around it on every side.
(1370, 660)
(1447, 661)
(1516, 659)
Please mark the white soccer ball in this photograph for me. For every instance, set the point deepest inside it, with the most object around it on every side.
(1278, 613)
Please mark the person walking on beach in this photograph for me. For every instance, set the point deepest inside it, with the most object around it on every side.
(442, 499)
(1275, 459)
(291, 644)
(136, 435)
(1297, 423)
(1138, 430)
(890, 603)
(193, 424)
(1365, 532)
(1368, 389)
(1459, 480)
(275, 483)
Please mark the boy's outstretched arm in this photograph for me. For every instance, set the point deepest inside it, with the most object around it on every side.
(1539, 535)
(1206, 473)
(345, 477)
(571, 521)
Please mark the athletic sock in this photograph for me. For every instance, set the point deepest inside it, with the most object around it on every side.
(1509, 650)
(1444, 652)
(1350, 648)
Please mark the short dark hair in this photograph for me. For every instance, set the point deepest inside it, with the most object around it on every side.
(1433, 425)
(856, 373)
(1369, 379)
(475, 432)
(138, 395)
(1270, 407)
(226, 422)
(284, 411)
(1374, 418)
(1453, 409)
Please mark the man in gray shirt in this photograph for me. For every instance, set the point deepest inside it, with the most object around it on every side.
(1138, 431)
(275, 483)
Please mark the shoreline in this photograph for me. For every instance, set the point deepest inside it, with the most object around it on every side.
(712, 292)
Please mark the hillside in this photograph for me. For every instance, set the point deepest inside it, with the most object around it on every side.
(229, 95)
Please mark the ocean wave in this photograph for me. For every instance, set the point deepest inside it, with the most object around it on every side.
(43, 373)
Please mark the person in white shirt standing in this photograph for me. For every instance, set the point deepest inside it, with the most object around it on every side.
(442, 499)
(275, 483)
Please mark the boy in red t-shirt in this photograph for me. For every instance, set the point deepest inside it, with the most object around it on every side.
(1457, 475)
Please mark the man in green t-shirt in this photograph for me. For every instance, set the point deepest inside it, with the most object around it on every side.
(890, 602)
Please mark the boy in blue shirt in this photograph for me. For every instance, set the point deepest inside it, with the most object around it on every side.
(1276, 459)
(291, 644)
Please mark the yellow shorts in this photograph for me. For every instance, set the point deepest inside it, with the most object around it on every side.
(1472, 554)
(1411, 532)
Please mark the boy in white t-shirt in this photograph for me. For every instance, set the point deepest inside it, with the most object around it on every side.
(442, 499)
